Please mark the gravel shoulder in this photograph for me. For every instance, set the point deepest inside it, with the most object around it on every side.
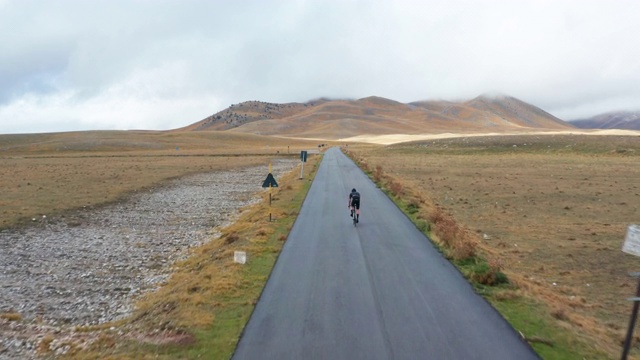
(87, 267)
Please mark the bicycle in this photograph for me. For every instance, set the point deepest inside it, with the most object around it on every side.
(354, 206)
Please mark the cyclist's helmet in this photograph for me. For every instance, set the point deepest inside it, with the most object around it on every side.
(353, 190)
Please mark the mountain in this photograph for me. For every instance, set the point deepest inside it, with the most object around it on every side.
(626, 120)
(497, 111)
(336, 119)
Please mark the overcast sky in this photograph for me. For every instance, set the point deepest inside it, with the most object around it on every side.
(88, 64)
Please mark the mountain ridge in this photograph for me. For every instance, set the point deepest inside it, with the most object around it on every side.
(624, 120)
(374, 115)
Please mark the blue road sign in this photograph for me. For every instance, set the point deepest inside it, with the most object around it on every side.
(269, 181)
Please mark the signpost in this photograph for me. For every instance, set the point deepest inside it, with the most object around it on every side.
(303, 159)
(632, 246)
(269, 182)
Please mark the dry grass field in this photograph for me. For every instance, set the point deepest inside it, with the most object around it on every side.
(550, 210)
(47, 174)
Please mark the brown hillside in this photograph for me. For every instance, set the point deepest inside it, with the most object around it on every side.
(518, 112)
(338, 119)
(247, 112)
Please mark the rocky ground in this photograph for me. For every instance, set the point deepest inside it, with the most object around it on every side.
(86, 267)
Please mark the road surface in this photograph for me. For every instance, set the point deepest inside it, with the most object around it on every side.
(378, 291)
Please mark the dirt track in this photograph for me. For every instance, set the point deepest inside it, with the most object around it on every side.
(87, 267)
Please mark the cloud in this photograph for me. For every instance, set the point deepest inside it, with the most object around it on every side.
(76, 65)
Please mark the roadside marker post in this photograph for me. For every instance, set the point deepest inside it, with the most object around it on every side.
(303, 159)
(269, 182)
(240, 257)
(632, 246)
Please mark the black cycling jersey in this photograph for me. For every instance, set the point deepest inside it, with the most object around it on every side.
(354, 199)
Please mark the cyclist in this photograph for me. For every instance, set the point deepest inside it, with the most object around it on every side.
(354, 204)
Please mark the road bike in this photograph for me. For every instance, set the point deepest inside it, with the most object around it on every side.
(354, 216)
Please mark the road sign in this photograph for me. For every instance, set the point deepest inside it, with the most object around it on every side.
(303, 159)
(632, 240)
(270, 181)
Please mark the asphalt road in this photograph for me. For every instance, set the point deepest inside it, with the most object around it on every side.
(378, 291)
